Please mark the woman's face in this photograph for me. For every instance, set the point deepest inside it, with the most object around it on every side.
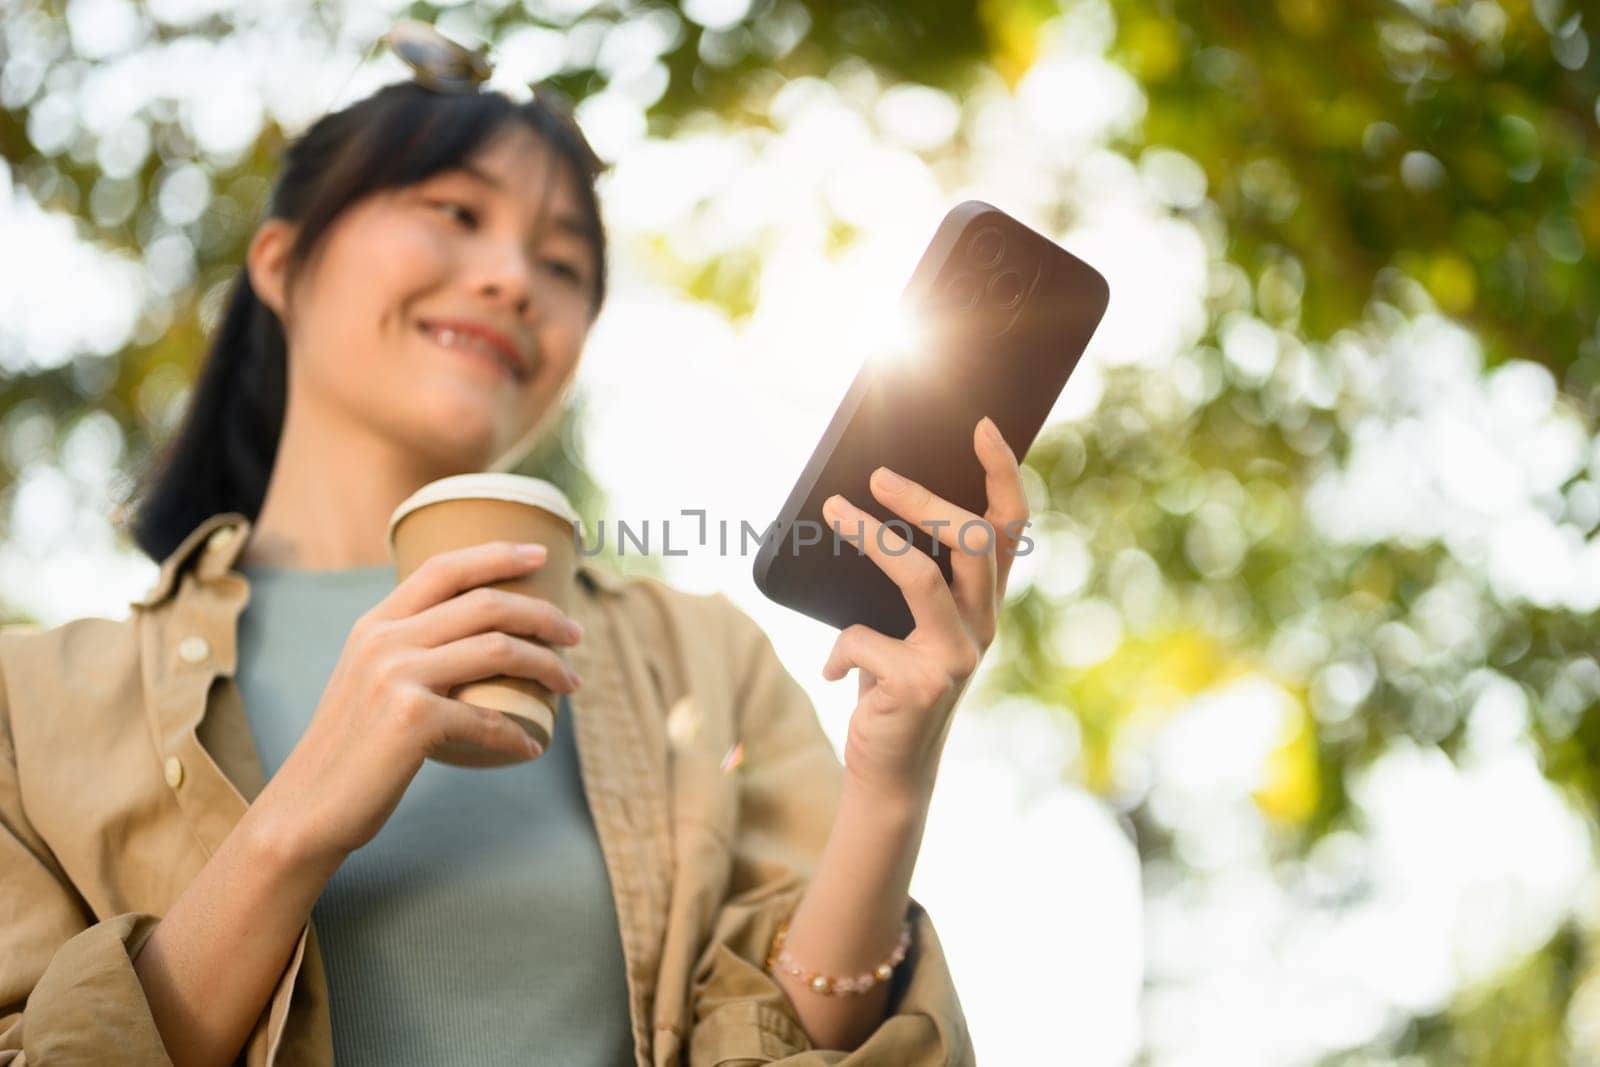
(380, 323)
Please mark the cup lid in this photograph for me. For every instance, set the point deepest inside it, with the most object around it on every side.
(494, 486)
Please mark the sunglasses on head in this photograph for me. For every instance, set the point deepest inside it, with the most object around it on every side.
(444, 66)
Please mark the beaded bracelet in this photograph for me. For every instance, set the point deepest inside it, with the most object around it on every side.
(828, 985)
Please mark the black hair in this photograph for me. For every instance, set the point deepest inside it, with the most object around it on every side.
(221, 457)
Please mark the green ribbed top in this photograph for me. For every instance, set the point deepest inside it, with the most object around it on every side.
(478, 926)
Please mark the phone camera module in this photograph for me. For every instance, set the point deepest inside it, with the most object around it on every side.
(963, 291)
(987, 248)
(1005, 289)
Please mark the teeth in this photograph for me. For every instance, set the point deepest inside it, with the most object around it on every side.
(452, 339)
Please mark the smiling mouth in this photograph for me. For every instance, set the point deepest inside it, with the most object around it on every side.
(473, 347)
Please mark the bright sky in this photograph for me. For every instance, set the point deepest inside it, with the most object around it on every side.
(1032, 883)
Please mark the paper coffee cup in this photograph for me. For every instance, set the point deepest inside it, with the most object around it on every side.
(470, 509)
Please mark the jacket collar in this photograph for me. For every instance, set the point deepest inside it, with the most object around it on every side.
(215, 544)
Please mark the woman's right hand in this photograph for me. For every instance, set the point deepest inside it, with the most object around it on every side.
(385, 709)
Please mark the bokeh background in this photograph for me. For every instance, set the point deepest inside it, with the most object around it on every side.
(1287, 751)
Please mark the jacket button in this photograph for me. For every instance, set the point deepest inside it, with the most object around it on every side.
(220, 539)
(193, 649)
(174, 769)
(683, 723)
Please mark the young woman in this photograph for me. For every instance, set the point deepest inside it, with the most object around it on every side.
(221, 839)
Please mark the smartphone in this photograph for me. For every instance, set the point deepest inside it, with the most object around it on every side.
(1001, 315)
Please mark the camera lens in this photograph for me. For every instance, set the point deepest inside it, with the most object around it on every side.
(987, 248)
(962, 291)
(1005, 289)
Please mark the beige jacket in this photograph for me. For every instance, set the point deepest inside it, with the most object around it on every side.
(126, 758)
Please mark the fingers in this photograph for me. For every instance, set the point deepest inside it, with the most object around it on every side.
(1007, 509)
(469, 723)
(486, 655)
(970, 539)
(918, 576)
(908, 673)
(866, 648)
(487, 608)
(982, 549)
(446, 574)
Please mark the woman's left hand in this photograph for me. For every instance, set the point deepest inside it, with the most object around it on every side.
(909, 688)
